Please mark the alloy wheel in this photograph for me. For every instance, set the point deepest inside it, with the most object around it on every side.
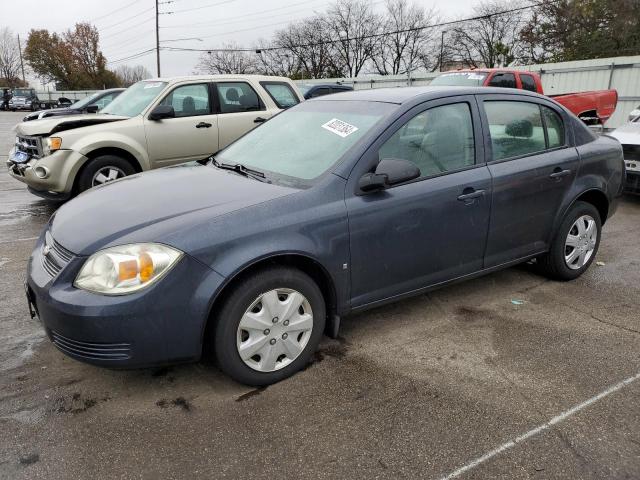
(274, 330)
(581, 242)
(106, 174)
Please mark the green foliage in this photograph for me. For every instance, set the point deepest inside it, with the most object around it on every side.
(72, 60)
(582, 29)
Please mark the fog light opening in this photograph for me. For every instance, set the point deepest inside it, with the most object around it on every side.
(41, 172)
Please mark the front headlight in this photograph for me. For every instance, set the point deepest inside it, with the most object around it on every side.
(51, 144)
(126, 268)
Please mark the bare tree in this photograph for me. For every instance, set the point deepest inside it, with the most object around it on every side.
(355, 31)
(130, 75)
(404, 48)
(306, 41)
(276, 61)
(228, 59)
(492, 40)
(9, 56)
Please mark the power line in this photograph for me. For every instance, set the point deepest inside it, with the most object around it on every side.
(101, 29)
(209, 23)
(203, 6)
(364, 37)
(134, 56)
(127, 29)
(113, 11)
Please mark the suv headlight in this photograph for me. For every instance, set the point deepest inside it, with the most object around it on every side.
(51, 144)
(126, 268)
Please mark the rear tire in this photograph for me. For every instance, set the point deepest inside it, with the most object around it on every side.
(575, 244)
(269, 326)
(103, 169)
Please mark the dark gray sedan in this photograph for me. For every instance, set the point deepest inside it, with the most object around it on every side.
(337, 205)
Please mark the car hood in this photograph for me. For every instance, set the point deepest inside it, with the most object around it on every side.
(628, 134)
(49, 125)
(152, 206)
(50, 113)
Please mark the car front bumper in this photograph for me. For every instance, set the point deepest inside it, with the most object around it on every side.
(19, 106)
(159, 325)
(61, 166)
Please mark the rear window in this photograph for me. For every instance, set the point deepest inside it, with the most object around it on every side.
(503, 80)
(516, 128)
(281, 93)
(460, 79)
(237, 97)
(528, 83)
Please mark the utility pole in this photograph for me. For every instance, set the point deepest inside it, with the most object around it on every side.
(158, 37)
(442, 50)
(21, 63)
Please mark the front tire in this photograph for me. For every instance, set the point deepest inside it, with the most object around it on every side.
(575, 245)
(103, 169)
(269, 326)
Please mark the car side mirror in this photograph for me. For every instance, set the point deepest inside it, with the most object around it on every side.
(389, 172)
(162, 111)
(92, 109)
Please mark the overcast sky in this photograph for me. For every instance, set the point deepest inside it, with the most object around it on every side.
(127, 27)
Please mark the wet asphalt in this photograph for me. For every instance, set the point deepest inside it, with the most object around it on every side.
(417, 389)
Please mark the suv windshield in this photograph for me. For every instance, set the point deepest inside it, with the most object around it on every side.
(297, 146)
(460, 79)
(135, 99)
(21, 92)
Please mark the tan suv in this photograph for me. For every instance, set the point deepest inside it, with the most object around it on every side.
(154, 123)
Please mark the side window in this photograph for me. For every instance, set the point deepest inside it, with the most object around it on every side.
(555, 127)
(320, 92)
(281, 93)
(104, 101)
(189, 100)
(437, 140)
(515, 128)
(504, 80)
(238, 97)
(528, 83)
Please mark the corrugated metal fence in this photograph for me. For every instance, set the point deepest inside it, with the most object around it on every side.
(621, 73)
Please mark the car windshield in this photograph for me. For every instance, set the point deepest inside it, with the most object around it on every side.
(83, 102)
(135, 99)
(297, 146)
(20, 92)
(460, 79)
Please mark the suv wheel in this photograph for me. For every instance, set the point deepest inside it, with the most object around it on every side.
(269, 326)
(103, 169)
(575, 245)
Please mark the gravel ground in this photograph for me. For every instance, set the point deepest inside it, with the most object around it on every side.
(458, 383)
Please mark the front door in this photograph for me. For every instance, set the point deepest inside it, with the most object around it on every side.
(432, 229)
(532, 166)
(191, 135)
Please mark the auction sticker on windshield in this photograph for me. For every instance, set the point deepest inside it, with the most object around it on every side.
(339, 127)
(153, 85)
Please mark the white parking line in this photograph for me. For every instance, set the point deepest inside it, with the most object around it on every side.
(545, 426)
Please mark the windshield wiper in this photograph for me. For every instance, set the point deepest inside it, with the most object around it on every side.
(241, 169)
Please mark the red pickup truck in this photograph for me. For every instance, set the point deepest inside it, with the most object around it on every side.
(593, 108)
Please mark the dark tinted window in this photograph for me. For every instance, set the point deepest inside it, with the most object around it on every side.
(515, 128)
(504, 80)
(555, 127)
(437, 140)
(281, 93)
(528, 83)
(237, 97)
(319, 92)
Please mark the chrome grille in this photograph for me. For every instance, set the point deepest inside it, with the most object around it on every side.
(89, 350)
(32, 146)
(54, 256)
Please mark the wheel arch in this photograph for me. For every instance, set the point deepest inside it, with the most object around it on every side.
(302, 262)
(594, 196)
(118, 152)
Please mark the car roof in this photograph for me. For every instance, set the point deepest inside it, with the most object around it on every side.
(259, 78)
(400, 95)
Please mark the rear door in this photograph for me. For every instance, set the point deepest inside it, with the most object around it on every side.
(240, 109)
(532, 166)
(191, 135)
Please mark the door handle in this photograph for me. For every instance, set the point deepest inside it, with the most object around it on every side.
(259, 120)
(558, 173)
(471, 195)
(203, 125)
